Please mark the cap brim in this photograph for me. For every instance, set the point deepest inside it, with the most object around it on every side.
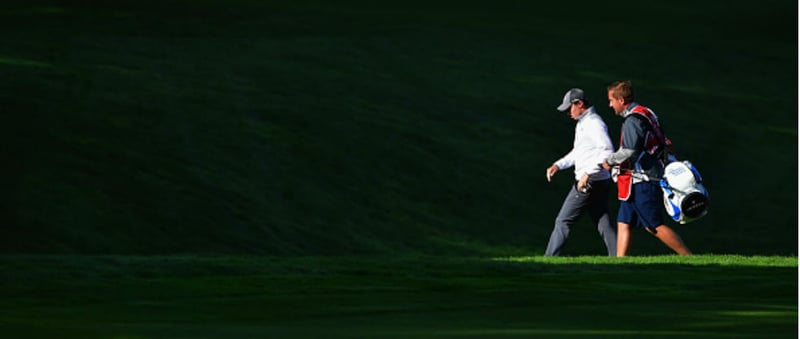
(563, 107)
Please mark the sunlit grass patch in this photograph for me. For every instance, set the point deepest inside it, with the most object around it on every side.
(555, 332)
(23, 62)
(709, 259)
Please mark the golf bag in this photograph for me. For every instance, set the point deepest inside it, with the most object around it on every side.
(685, 197)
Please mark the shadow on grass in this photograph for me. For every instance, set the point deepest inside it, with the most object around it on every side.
(237, 296)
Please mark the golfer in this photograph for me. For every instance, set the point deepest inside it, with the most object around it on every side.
(589, 193)
(641, 166)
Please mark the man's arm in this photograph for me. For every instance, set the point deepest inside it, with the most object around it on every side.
(633, 135)
(566, 162)
(602, 147)
(620, 156)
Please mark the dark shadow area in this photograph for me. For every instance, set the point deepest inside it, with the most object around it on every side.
(223, 296)
(284, 128)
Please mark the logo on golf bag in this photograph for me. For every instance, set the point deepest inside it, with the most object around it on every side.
(685, 197)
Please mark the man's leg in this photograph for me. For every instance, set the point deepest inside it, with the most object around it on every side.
(598, 211)
(670, 238)
(650, 207)
(623, 238)
(626, 219)
(608, 233)
(569, 213)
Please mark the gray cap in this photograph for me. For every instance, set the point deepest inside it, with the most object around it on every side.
(573, 95)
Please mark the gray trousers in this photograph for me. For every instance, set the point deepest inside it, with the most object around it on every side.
(595, 203)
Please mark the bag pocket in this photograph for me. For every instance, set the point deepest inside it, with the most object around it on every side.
(624, 185)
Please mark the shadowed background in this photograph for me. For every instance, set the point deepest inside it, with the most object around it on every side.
(252, 127)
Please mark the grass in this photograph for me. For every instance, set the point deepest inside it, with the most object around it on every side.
(248, 296)
(209, 169)
(305, 128)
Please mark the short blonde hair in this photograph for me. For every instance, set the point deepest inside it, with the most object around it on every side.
(622, 89)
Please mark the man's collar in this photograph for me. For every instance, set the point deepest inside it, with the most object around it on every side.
(588, 111)
(628, 109)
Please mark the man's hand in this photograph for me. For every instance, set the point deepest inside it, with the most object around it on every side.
(551, 171)
(583, 182)
(605, 165)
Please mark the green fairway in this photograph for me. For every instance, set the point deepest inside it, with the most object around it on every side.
(419, 297)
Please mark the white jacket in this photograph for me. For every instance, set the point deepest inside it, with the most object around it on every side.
(592, 145)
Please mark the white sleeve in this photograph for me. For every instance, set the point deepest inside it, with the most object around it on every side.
(601, 141)
(567, 161)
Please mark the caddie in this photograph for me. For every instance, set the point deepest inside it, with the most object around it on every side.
(639, 162)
